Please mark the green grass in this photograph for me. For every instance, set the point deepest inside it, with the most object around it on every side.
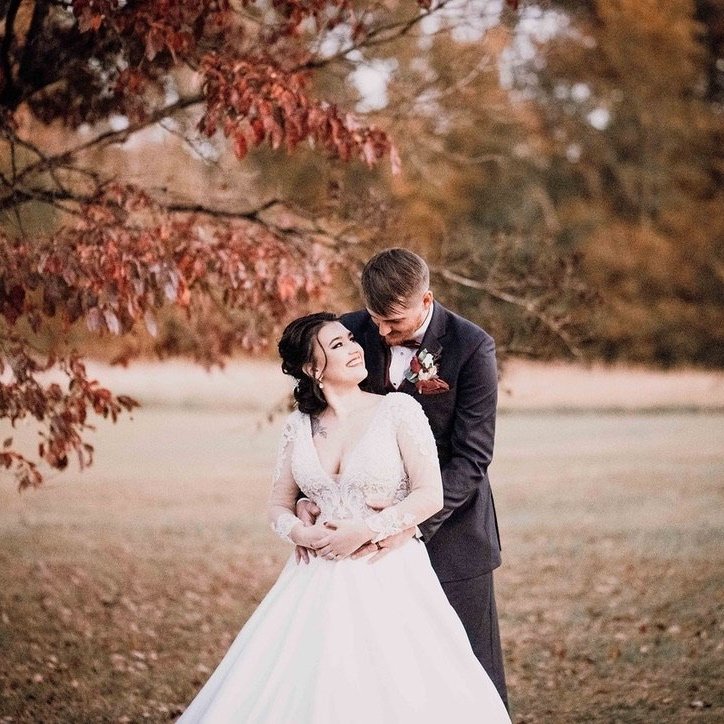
(121, 588)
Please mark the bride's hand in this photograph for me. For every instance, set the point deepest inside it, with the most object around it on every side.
(309, 537)
(343, 538)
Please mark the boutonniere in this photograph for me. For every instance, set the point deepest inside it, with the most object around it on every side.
(423, 374)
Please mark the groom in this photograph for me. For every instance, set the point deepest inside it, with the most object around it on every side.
(402, 319)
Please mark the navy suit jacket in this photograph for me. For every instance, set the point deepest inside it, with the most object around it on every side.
(462, 539)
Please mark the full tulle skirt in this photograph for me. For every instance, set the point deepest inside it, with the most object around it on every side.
(347, 642)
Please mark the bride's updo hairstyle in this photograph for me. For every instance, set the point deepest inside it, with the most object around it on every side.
(296, 348)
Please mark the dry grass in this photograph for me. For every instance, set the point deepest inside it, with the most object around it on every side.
(121, 588)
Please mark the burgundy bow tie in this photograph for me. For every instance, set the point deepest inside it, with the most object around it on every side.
(411, 343)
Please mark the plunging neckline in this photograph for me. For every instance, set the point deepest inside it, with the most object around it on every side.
(337, 477)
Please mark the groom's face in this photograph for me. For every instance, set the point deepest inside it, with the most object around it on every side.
(401, 322)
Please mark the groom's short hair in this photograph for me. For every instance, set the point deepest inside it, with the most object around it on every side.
(392, 278)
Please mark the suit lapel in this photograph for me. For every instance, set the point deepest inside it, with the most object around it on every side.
(431, 341)
(376, 359)
(407, 386)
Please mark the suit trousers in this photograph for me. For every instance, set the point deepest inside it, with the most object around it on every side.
(474, 602)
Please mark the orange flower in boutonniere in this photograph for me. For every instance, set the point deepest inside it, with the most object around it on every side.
(423, 374)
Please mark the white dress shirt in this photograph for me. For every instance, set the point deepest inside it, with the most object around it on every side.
(400, 357)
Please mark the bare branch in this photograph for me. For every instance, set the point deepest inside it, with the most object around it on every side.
(109, 137)
(49, 196)
(554, 325)
(377, 36)
(250, 215)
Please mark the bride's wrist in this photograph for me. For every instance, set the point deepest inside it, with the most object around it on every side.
(296, 534)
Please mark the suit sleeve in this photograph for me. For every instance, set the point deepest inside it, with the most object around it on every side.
(471, 440)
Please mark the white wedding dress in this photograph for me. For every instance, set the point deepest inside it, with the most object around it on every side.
(349, 641)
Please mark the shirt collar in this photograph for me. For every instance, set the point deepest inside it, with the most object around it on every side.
(420, 331)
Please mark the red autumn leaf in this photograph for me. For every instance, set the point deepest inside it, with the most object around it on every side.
(257, 127)
(287, 287)
(154, 44)
(93, 319)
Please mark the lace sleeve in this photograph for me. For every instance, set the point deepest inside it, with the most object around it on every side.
(284, 492)
(419, 456)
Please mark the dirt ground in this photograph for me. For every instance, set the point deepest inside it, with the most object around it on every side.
(120, 588)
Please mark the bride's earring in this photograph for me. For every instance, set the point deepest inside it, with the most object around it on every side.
(317, 380)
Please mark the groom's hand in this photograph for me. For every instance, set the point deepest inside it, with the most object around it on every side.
(383, 547)
(307, 512)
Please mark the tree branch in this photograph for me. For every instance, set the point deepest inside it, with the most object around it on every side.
(50, 196)
(109, 137)
(250, 215)
(35, 32)
(393, 31)
(556, 327)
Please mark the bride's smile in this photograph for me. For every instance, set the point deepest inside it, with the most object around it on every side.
(338, 358)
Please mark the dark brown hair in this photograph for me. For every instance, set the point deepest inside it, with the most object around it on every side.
(391, 278)
(296, 348)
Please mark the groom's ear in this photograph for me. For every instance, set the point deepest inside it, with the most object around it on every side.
(427, 298)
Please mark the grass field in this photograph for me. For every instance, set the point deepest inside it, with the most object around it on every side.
(121, 588)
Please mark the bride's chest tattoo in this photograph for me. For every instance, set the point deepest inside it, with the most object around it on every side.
(318, 428)
(334, 442)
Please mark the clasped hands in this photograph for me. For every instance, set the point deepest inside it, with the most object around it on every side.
(336, 539)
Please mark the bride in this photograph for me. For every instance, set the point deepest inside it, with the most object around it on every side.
(340, 640)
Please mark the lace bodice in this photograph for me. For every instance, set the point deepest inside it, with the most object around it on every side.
(395, 459)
